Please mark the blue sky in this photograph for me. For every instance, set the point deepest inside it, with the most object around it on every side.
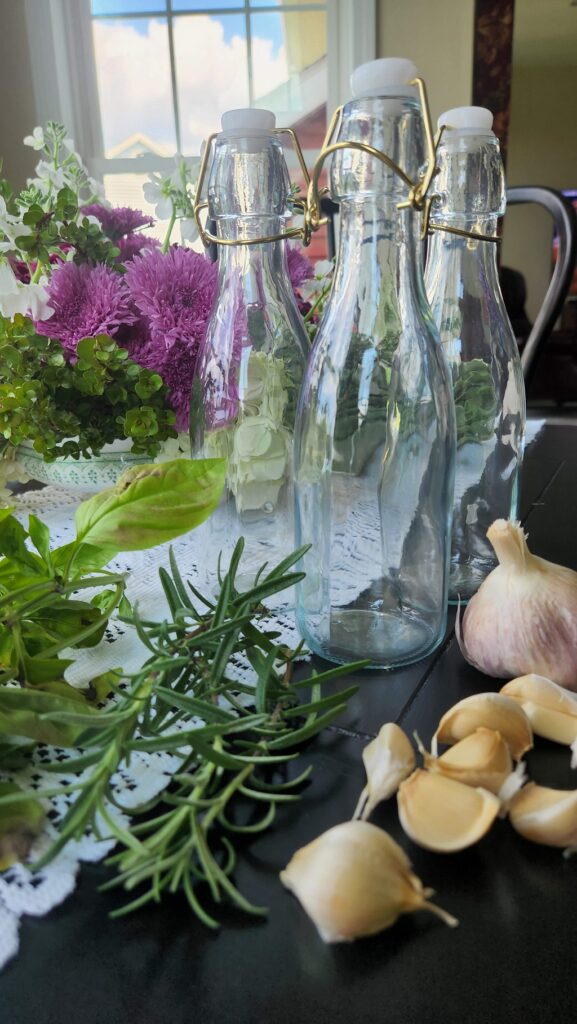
(266, 25)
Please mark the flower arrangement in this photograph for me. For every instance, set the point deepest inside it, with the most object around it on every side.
(100, 323)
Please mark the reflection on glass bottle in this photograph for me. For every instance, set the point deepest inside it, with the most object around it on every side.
(374, 445)
(251, 365)
(463, 288)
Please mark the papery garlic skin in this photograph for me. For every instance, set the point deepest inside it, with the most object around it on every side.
(491, 711)
(443, 815)
(523, 618)
(547, 816)
(482, 759)
(354, 880)
(551, 709)
(388, 759)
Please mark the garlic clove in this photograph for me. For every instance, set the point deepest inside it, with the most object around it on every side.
(354, 880)
(388, 759)
(442, 814)
(492, 711)
(551, 709)
(480, 759)
(547, 816)
(523, 617)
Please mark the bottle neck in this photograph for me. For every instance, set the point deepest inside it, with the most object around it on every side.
(377, 243)
(469, 260)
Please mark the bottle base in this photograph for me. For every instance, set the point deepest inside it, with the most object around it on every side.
(390, 640)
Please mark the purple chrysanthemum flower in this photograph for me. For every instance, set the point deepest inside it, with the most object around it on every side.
(117, 221)
(174, 291)
(131, 245)
(300, 267)
(86, 301)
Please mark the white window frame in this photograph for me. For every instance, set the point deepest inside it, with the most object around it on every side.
(64, 72)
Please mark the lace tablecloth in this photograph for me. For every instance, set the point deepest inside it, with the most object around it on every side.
(22, 891)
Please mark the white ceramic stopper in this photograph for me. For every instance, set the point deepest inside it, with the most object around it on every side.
(247, 120)
(472, 118)
(383, 77)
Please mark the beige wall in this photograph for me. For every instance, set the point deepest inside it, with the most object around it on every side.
(542, 151)
(438, 36)
(17, 109)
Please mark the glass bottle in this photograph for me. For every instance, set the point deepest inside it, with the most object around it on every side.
(463, 288)
(374, 446)
(250, 367)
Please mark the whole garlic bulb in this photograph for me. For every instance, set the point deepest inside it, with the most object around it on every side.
(355, 880)
(523, 618)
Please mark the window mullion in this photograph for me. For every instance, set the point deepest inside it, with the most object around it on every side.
(173, 81)
(249, 53)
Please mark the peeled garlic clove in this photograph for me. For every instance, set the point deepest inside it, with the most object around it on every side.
(354, 880)
(444, 815)
(388, 759)
(480, 759)
(551, 710)
(493, 711)
(523, 617)
(547, 816)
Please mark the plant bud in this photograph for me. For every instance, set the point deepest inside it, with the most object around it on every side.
(551, 709)
(493, 711)
(388, 759)
(480, 759)
(354, 880)
(443, 815)
(547, 816)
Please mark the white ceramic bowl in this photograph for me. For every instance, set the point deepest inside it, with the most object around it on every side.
(83, 475)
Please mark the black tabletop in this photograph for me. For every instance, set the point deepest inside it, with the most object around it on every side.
(512, 959)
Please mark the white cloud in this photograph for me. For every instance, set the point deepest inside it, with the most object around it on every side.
(134, 78)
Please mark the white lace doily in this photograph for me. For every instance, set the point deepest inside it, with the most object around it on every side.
(21, 891)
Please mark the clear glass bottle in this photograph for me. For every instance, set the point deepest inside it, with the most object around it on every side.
(374, 446)
(463, 288)
(250, 367)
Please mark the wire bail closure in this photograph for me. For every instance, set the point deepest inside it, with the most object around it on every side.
(297, 201)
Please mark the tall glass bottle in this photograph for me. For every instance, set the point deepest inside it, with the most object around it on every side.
(463, 288)
(251, 365)
(374, 446)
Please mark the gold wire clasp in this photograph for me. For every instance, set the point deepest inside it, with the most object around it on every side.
(417, 197)
(298, 201)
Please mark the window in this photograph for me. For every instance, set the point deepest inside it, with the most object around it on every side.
(139, 80)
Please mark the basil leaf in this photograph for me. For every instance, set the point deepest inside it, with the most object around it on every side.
(22, 714)
(152, 504)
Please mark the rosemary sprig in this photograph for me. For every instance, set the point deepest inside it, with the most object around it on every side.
(233, 764)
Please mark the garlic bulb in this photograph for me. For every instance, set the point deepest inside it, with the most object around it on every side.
(388, 759)
(551, 710)
(493, 711)
(354, 880)
(480, 759)
(444, 815)
(547, 816)
(523, 618)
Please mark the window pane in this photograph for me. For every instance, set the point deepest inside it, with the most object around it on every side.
(211, 71)
(134, 88)
(127, 6)
(290, 65)
(204, 5)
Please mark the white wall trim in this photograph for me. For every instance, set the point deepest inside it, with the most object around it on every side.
(351, 40)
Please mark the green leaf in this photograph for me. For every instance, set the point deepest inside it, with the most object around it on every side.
(22, 714)
(152, 504)
(20, 823)
(40, 537)
(13, 545)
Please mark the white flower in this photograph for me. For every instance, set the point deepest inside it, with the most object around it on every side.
(36, 140)
(157, 191)
(16, 297)
(49, 174)
(324, 268)
(314, 287)
(258, 463)
(11, 227)
(188, 229)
